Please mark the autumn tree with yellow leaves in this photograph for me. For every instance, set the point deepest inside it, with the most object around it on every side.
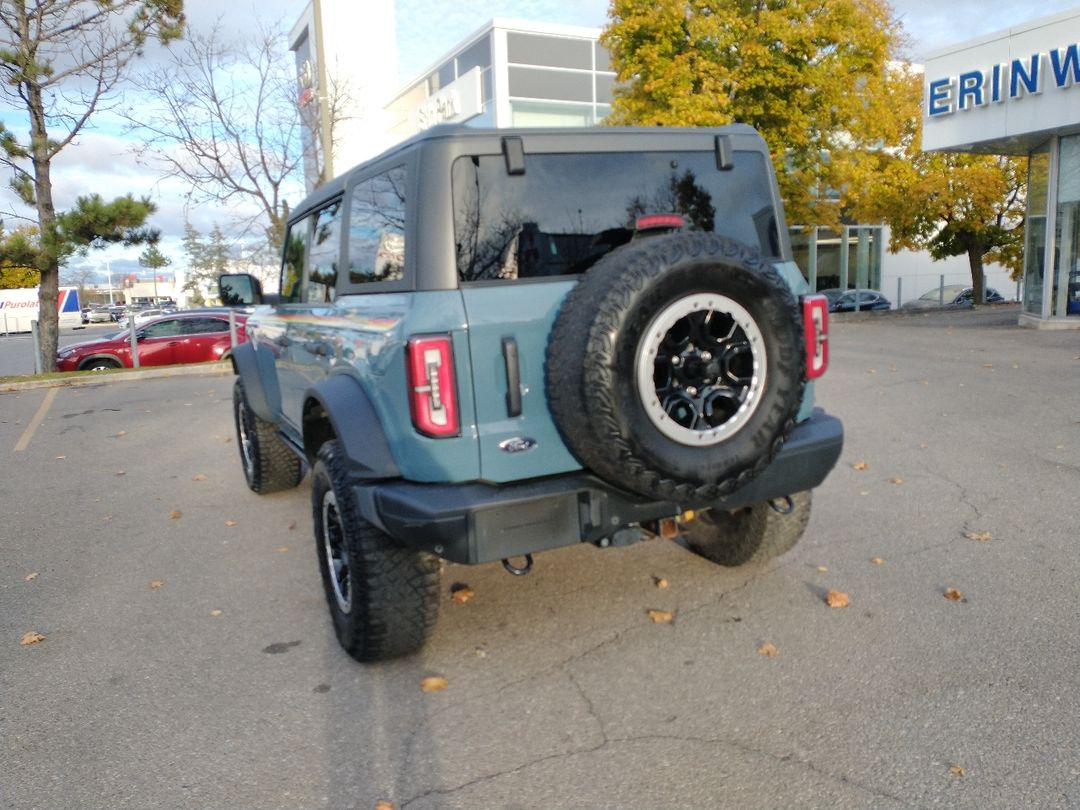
(811, 77)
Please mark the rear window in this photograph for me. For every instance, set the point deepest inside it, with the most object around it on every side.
(568, 210)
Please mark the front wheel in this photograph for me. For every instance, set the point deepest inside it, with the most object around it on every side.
(753, 534)
(383, 597)
(269, 465)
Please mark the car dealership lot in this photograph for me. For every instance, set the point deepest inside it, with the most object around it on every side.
(188, 658)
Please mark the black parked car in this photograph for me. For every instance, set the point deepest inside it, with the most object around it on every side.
(868, 300)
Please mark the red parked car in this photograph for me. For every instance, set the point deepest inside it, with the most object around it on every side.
(198, 336)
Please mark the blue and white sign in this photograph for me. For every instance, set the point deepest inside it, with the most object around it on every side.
(1005, 91)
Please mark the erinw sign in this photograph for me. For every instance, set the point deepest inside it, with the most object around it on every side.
(1005, 91)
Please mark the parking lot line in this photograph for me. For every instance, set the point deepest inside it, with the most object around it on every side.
(35, 423)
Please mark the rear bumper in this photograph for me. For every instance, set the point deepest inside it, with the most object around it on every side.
(478, 522)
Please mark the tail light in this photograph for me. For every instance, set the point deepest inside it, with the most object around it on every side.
(432, 388)
(816, 328)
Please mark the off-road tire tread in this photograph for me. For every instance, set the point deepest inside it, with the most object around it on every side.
(395, 590)
(274, 467)
(755, 534)
(580, 375)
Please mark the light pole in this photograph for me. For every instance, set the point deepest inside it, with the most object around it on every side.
(108, 270)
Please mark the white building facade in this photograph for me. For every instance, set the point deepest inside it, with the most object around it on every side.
(1017, 92)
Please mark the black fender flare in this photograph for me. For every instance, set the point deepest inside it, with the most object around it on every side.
(341, 398)
(255, 367)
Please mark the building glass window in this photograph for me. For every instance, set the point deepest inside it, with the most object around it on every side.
(377, 228)
(550, 114)
(1035, 229)
(554, 84)
(1066, 294)
(476, 55)
(537, 49)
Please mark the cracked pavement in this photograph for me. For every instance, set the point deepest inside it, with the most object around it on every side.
(224, 687)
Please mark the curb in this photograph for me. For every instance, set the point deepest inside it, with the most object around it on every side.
(200, 369)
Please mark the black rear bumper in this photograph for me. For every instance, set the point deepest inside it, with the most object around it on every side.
(478, 522)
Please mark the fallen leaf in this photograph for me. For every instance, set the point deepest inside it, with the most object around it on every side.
(30, 577)
(982, 537)
(661, 616)
(460, 593)
(957, 770)
(860, 466)
(988, 365)
(896, 481)
(292, 526)
(955, 595)
(435, 683)
(877, 561)
(198, 477)
(283, 549)
(871, 371)
(382, 804)
(216, 612)
(121, 433)
(660, 582)
(837, 599)
(865, 492)
(823, 569)
(230, 523)
(156, 583)
(175, 514)
(769, 650)
(33, 637)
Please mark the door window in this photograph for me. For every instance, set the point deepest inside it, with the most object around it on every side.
(377, 228)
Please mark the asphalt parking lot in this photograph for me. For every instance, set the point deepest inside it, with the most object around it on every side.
(188, 661)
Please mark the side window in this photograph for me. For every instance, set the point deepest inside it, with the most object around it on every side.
(201, 326)
(292, 268)
(167, 328)
(377, 228)
(323, 256)
(310, 267)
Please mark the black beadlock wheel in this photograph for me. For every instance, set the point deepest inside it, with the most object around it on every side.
(383, 597)
(754, 534)
(676, 366)
(268, 463)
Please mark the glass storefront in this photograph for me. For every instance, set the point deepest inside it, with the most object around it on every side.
(1035, 229)
(846, 258)
(1053, 206)
(1065, 298)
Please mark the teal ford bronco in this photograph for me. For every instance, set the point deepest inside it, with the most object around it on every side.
(490, 343)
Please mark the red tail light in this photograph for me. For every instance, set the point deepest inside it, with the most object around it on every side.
(432, 388)
(815, 309)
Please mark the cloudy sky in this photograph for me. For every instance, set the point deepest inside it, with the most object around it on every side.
(427, 29)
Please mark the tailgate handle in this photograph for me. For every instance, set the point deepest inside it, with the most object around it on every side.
(513, 376)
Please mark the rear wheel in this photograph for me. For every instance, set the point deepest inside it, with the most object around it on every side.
(383, 597)
(269, 465)
(754, 534)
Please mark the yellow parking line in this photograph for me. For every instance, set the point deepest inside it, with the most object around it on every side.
(35, 423)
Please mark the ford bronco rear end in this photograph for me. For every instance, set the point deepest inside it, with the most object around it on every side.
(493, 343)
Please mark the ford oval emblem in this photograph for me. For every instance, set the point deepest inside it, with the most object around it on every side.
(518, 444)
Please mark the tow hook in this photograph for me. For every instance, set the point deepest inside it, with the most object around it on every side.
(515, 570)
(783, 506)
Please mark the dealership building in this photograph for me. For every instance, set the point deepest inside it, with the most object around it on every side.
(511, 73)
(1017, 92)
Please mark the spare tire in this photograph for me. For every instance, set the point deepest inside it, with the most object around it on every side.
(676, 366)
